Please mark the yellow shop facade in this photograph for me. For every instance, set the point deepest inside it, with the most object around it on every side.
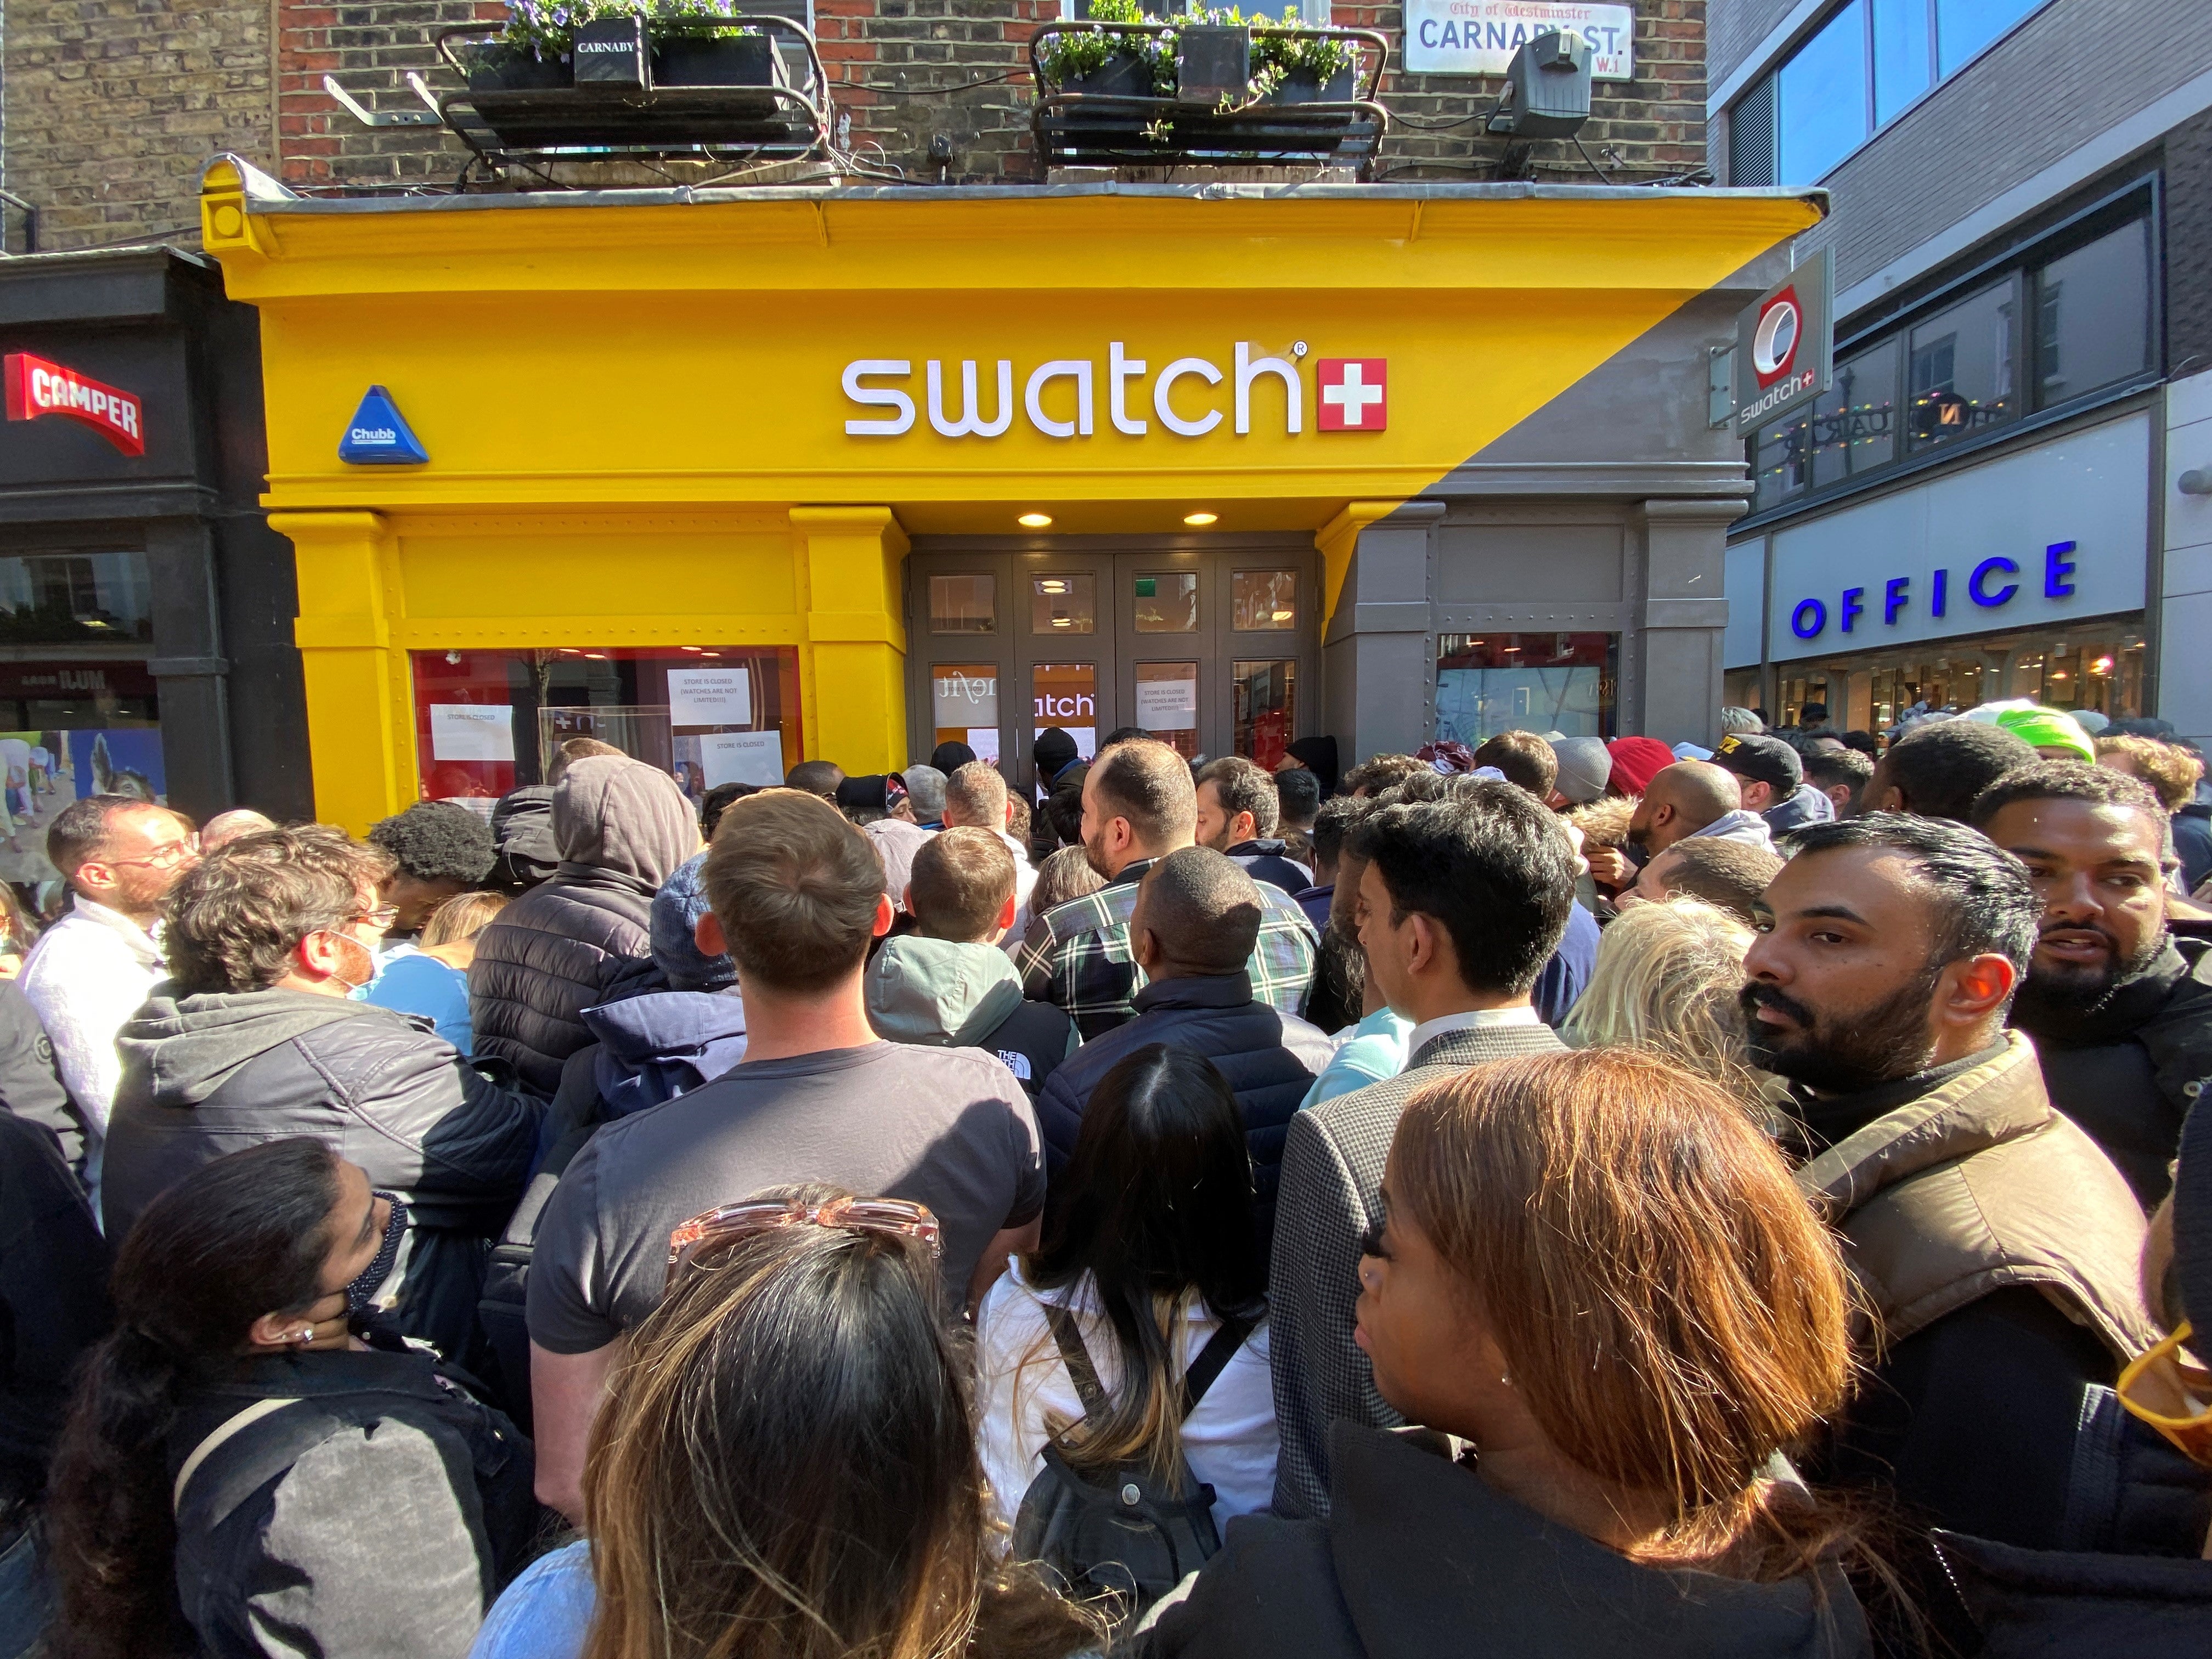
(734, 478)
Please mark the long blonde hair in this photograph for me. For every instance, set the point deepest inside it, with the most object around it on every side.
(462, 917)
(1666, 983)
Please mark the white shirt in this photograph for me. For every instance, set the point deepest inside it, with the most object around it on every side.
(1229, 1440)
(85, 977)
(1475, 1019)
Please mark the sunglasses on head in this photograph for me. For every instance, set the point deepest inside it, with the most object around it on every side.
(716, 1230)
(2166, 1388)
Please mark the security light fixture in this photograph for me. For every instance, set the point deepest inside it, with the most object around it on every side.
(1547, 89)
(1035, 521)
(1202, 518)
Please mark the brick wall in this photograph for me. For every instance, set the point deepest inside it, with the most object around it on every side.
(113, 106)
(907, 72)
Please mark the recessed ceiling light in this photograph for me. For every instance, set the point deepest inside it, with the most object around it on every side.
(1035, 521)
(1200, 518)
(1052, 585)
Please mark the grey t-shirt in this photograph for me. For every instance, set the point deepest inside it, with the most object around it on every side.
(947, 1128)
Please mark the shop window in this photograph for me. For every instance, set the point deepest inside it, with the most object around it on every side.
(1167, 603)
(1064, 604)
(1264, 601)
(488, 721)
(1492, 682)
(1267, 709)
(1854, 426)
(1959, 367)
(2096, 664)
(60, 598)
(964, 604)
(964, 697)
(2093, 315)
(1781, 462)
(1066, 694)
(1167, 703)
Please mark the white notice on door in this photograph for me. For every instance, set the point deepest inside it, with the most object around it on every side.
(472, 731)
(710, 697)
(742, 757)
(1166, 705)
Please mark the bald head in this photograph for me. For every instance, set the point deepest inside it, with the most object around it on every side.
(1197, 913)
(229, 826)
(1682, 799)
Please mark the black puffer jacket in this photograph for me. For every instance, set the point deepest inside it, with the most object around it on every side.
(622, 828)
(1268, 1063)
(208, 1075)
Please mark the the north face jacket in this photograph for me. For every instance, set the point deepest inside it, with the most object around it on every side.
(206, 1075)
(951, 995)
(622, 828)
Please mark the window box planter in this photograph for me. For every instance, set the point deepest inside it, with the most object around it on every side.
(501, 68)
(1303, 87)
(1120, 77)
(699, 57)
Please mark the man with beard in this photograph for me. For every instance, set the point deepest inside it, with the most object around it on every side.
(1688, 798)
(2120, 1011)
(1139, 806)
(1998, 1248)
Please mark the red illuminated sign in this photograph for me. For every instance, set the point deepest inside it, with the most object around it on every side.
(37, 388)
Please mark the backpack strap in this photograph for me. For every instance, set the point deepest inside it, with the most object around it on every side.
(217, 1438)
(1220, 1348)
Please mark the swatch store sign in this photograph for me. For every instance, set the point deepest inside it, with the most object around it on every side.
(2038, 539)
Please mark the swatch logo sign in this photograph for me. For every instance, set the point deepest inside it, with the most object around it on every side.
(37, 388)
(1188, 396)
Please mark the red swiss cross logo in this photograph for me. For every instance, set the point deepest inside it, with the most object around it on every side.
(1355, 394)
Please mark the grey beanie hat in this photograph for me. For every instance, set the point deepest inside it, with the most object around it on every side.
(676, 908)
(1584, 768)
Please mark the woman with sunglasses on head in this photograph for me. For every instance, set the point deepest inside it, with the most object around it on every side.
(255, 1037)
(785, 1466)
(1599, 1297)
(251, 1468)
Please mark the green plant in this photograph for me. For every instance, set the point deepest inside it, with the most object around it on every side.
(547, 29)
(1276, 58)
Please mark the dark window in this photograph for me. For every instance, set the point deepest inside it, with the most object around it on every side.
(1854, 424)
(2093, 315)
(1750, 139)
(1959, 367)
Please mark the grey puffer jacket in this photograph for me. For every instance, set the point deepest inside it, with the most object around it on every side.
(209, 1074)
(622, 829)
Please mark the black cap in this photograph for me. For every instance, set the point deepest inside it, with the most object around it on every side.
(950, 757)
(1760, 758)
(1054, 751)
(877, 793)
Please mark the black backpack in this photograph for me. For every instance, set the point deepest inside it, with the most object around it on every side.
(1130, 1533)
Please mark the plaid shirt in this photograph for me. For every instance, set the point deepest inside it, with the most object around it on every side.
(1078, 955)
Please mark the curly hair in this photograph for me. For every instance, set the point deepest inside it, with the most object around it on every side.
(437, 840)
(237, 916)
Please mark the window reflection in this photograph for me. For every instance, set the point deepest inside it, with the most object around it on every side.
(1167, 603)
(1264, 600)
(1063, 604)
(1961, 367)
(964, 604)
(2093, 315)
(1267, 709)
(1821, 98)
(1492, 682)
(964, 704)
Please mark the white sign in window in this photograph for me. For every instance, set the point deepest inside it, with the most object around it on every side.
(1479, 37)
(742, 757)
(1166, 705)
(472, 731)
(962, 699)
(709, 697)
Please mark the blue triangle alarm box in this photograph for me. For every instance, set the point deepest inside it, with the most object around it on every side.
(379, 435)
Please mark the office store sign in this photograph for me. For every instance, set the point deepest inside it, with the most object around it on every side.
(2032, 539)
(1185, 397)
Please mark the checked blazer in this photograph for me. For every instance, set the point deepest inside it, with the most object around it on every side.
(1329, 1197)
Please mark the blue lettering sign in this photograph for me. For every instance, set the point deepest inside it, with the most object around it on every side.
(2055, 569)
(1428, 31)
(1939, 597)
(1850, 611)
(1976, 583)
(1893, 599)
(1806, 621)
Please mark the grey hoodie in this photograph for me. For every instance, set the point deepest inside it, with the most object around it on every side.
(934, 991)
(613, 813)
(1746, 827)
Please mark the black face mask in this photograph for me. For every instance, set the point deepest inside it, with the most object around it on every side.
(362, 1291)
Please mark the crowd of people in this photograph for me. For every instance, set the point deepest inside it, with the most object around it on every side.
(1563, 1197)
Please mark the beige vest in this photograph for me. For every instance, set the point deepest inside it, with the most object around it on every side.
(1980, 1185)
